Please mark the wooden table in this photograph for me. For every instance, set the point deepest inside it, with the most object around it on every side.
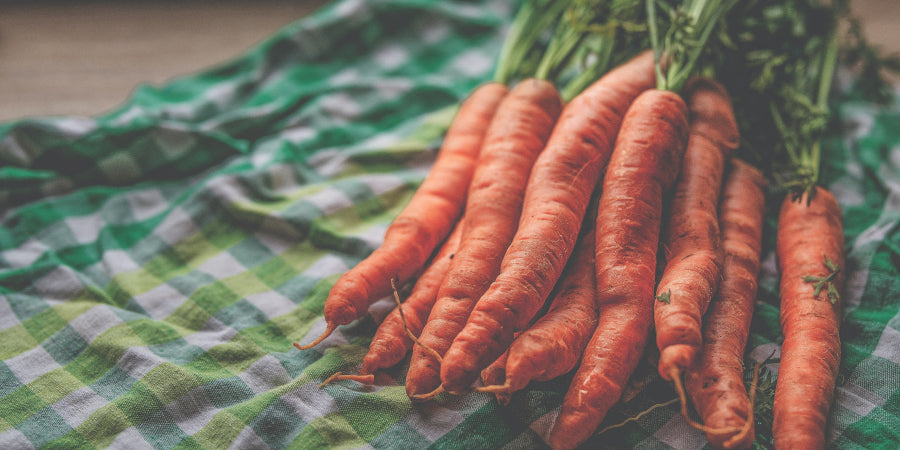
(84, 57)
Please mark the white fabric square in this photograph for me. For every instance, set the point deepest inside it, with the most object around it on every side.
(94, 322)
(31, 364)
(326, 266)
(8, 318)
(222, 266)
(271, 303)
(85, 229)
(192, 411)
(161, 301)
(26, 254)
(265, 374)
(248, 439)
(79, 405)
(146, 203)
(60, 284)
(130, 438)
(138, 361)
(214, 333)
(176, 227)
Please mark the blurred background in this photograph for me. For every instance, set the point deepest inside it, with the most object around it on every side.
(84, 57)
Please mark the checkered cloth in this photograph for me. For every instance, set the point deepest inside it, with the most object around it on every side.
(157, 262)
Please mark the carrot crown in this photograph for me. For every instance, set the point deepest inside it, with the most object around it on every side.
(778, 64)
(678, 51)
(571, 43)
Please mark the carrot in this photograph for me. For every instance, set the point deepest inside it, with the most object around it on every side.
(391, 343)
(553, 345)
(559, 189)
(650, 143)
(810, 250)
(692, 242)
(495, 375)
(425, 222)
(716, 384)
(514, 139)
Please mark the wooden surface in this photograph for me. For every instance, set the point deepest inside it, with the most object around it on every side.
(84, 57)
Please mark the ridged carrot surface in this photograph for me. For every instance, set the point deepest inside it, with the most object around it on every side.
(692, 239)
(515, 137)
(716, 384)
(643, 165)
(560, 187)
(424, 223)
(809, 236)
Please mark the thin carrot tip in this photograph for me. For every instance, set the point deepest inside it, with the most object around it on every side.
(321, 338)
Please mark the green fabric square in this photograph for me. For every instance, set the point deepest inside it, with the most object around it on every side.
(16, 340)
(224, 392)
(21, 404)
(55, 385)
(276, 424)
(114, 383)
(44, 427)
(65, 345)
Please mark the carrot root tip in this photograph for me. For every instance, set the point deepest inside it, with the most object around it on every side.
(496, 389)
(331, 327)
(427, 396)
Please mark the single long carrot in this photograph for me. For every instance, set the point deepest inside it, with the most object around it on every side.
(643, 165)
(390, 344)
(515, 137)
(560, 187)
(553, 345)
(692, 241)
(424, 223)
(810, 250)
(716, 384)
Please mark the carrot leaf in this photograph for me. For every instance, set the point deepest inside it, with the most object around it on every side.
(665, 298)
(826, 282)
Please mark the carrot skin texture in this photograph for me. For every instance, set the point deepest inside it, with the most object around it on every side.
(428, 218)
(692, 241)
(553, 345)
(390, 344)
(516, 136)
(643, 165)
(811, 352)
(716, 384)
(559, 190)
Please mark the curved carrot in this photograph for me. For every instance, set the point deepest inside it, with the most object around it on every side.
(559, 189)
(426, 221)
(552, 346)
(810, 250)
(716, 384)
(692, 242)
(515, 137)
(391, 343)
(650, 144)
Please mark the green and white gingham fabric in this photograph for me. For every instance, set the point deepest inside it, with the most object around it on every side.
(157, 262)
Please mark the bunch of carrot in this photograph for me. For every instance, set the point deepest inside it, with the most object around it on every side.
(562, 229)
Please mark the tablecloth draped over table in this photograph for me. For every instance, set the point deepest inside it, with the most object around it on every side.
(156, 262)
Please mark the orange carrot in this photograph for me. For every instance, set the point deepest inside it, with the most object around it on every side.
(391, 343)
(692, 242)
(559, 189)
(424, 223)
(810, 250)
(716, 384)
(650, 144)
(495, 375)
(552, 346)
(515, 137)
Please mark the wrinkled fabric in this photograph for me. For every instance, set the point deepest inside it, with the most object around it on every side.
(157, 262)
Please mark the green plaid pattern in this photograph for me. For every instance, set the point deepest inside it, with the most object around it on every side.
(157, 262)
